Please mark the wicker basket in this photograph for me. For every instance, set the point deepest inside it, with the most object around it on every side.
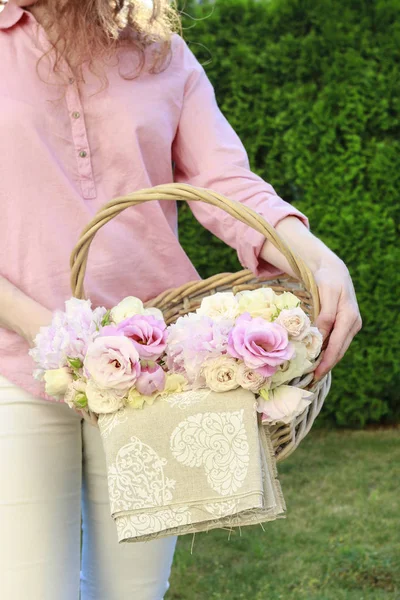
(179, 301)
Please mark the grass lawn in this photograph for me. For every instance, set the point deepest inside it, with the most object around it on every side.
(339, 541)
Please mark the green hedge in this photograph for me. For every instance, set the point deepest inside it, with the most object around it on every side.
(313, 89)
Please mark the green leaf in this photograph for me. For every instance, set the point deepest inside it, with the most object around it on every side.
(106, 319)
(75, 363)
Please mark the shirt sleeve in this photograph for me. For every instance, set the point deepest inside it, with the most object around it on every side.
(208, 153)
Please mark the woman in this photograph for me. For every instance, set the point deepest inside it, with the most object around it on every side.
(98, 99)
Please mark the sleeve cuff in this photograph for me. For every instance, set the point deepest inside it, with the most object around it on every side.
(251, 242)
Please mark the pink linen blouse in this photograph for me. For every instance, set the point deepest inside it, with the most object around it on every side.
(65, 154)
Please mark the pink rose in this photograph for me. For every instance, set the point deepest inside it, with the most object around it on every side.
(151, 380)
(112, 362)
(148, 334)
(262, 345)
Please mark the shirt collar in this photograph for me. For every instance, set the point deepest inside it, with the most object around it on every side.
(10, 15)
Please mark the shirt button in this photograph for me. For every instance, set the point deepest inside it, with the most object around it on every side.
(76, 115)
(83, 154)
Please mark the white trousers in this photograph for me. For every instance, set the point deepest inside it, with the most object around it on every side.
(52, 467)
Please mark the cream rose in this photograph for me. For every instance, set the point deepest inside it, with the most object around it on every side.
(286, 301)
(249, 379)
(295, 367)
(222, 305)
(130, 306)
(103, 401)
(57, 381)
(295, 321)
(220, 374)
(259, 303)
(313, 342)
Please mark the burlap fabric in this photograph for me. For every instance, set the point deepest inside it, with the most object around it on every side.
(194, 461)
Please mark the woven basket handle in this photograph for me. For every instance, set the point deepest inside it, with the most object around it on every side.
(173, 192)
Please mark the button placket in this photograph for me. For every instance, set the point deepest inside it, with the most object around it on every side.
(81, 143)
(78, 126)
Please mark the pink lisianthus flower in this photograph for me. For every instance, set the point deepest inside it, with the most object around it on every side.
(262, 345)
(112, 362)
(151, 380)
(147, 334)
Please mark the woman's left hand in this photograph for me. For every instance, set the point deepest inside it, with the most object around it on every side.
(340, 316)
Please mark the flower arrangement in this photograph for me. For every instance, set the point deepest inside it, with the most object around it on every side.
(100, 361)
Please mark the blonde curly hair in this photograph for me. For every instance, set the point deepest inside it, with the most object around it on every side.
(93, 31)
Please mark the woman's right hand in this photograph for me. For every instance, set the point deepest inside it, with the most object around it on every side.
(25, 316)
(41, 317)
(20, 313)
(90, 418)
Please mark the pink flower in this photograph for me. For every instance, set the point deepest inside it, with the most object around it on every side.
(68, 336)
(262, 345)
(151, 380)
(284, 404)
(192, 340)
(148, 334)
(112, 362)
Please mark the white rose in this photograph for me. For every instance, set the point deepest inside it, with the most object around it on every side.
(127, 308)
(292, 368)
(259, 303)
(284, 404)
(130, 306)
(250, 379)
(313, 342)
(57, 381)
(103, 401)
(220, 374)
(295, 321)
(156, 312)
(286, 300)
(222, 305)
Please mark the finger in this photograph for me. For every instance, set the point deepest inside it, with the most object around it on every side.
(339, 343)
(329, 305)
(88, 416)
(352, 333)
